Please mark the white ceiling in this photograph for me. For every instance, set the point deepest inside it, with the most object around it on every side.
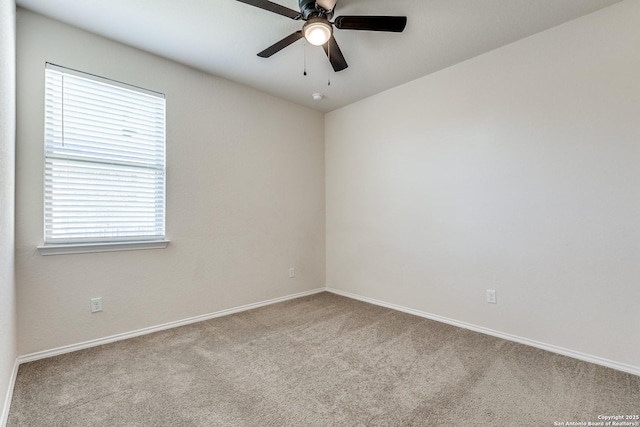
(222, 37)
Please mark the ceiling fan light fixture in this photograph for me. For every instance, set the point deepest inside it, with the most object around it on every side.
(317, 31)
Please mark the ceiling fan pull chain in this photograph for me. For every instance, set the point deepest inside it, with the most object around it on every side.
(329, 68)
(304, 49)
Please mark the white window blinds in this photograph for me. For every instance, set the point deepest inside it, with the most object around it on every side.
(104, 160)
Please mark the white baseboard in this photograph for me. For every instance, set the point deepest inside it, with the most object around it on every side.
(4, 416)
(635, 370)
(93, 343)
(100, 341)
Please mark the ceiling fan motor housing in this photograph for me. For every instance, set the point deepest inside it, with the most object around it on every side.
(309, 9)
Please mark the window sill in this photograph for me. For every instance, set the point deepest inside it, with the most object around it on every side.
(81, 248)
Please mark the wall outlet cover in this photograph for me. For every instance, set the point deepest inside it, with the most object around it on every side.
(491, 296)
(96, 304)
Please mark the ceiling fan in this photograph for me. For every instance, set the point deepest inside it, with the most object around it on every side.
(318, 29)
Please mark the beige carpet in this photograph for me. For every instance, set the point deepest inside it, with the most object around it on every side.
(322, 360)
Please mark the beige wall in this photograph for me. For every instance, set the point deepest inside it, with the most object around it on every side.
(516, 171)
(245, 187)
(7, 184)
(513, 171)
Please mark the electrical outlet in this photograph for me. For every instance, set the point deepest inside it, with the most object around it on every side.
(96, 304)
(491, 296)
(292, 273)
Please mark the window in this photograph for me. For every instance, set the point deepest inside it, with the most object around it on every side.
(104, 174)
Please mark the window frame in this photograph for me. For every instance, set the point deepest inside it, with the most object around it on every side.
(53, 246)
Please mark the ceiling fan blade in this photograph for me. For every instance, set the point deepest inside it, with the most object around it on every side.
(327, 4)
(335, 55)
(277, 47)
(394, 24)
(273, 7)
